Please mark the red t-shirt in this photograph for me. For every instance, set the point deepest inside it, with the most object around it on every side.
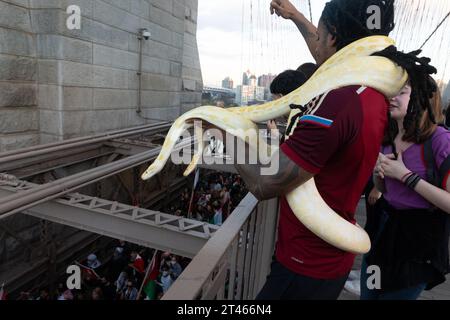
(340, 144)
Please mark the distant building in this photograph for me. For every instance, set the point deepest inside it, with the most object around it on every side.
(246, 95)
(266, 80)
(227, 83)
(252, 81)
(242, 94)
(259, 93)
(253, 90)
(246, 78)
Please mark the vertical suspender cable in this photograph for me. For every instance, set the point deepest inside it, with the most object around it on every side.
(310, 11)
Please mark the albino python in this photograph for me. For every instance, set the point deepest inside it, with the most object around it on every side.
(353, 65)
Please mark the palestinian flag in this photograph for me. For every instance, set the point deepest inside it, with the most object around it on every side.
(149, 285)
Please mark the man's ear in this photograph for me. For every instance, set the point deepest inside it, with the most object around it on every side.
(333, 41)
(332, 38)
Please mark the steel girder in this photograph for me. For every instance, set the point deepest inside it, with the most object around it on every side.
(148, 228)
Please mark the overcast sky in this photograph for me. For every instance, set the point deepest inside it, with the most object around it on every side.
(219, 38)
(228, 45)
(267, 44)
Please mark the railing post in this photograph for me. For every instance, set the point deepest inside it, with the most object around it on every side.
(260, 248)
(240, 251)
(269, 210)
(233, 266)
(205, 275)
(240, 261)
(248, 255)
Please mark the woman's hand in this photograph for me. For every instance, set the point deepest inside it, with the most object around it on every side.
(392, 168)
(374, 196)
(379, 171)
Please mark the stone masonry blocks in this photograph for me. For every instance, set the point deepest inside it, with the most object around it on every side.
(17, 68)
(57, 83)
(17, 95)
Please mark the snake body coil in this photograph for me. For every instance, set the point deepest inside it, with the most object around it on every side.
(353, 65)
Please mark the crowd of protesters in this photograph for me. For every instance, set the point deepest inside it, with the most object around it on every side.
(215, 197)
(125, 275)
(124, 270)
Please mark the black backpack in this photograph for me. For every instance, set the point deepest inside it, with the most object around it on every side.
(435, 176)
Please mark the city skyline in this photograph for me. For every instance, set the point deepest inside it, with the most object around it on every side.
(225, 45)
(266, 77)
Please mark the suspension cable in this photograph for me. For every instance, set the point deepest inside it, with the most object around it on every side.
(435, 30)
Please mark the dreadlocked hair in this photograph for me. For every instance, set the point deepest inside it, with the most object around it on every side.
(420, 120)
(347, 20)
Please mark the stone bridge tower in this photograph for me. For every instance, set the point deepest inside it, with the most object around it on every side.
(57, 83)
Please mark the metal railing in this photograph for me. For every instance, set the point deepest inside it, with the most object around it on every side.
(234, 263)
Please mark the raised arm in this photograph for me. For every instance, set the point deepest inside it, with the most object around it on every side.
(287, 10)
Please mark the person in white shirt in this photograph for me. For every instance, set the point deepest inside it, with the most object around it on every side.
(166, 280)
(218, 218)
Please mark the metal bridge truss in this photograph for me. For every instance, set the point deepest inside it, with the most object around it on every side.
(145, 227)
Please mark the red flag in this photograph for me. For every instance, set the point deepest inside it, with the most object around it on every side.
(154, 267)
(138, 264)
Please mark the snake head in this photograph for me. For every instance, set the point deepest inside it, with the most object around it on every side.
(148, 173)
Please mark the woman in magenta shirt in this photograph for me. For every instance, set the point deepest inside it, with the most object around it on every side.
(410, 247)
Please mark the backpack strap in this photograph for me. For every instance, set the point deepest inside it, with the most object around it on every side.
(435, 176)
(430, 163)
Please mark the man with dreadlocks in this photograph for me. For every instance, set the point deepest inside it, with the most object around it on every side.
(338, 146)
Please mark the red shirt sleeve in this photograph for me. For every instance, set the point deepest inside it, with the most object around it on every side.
(335, 124)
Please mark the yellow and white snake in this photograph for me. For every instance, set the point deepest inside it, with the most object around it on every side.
(353, 65)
